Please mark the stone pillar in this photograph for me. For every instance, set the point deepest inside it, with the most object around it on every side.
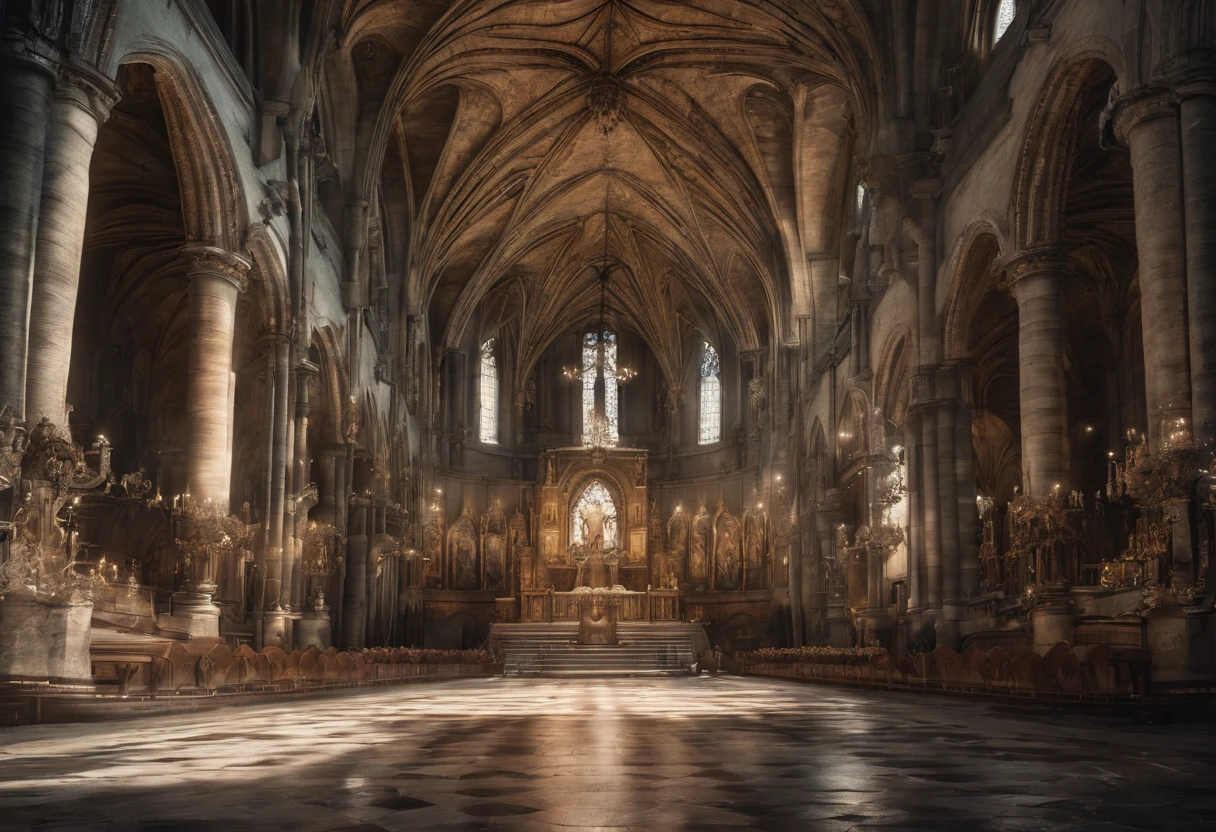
(1037, 278)
(923, 388)
(968, 513)
(354, 620)
(291, 502)
(26, 81)
(216, 278)
(273, 576)
(916, 537)
(947, 483)
(297, 589)
(1147, 120)
(80, 105)
(1194, 76)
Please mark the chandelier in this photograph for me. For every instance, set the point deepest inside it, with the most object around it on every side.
(622, 372)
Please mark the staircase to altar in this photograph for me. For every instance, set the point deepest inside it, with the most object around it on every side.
(645, 649)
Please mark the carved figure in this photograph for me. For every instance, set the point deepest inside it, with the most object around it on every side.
(462, 551)
(728, 560)
(494, 548)
(677, 542)
(753, 548)
(698, 557)
(432, 546)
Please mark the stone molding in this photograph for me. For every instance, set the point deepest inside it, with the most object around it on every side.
(1034, 261)
(1191, 73)
(217, 262)
(87, 89)
(1140, 105)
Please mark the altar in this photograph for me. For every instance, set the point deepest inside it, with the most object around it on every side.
(593, 535)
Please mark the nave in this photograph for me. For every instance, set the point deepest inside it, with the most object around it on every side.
(713, 753)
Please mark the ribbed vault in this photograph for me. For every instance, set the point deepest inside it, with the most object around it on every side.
(485, 114)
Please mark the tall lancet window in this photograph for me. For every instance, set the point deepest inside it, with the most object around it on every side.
(711, 395)
(1006, 10)
(488, 400)
(610, 431)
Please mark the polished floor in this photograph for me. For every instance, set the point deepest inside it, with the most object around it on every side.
(664, 754)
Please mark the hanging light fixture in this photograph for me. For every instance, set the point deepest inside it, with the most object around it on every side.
(604, 101)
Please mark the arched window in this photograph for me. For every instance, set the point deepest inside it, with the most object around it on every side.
(1005, 12)
(611, 396)
(488, 400)
(711, 395)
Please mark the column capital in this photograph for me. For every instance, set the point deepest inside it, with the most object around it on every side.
(1140, 105)
(1191, 73)
(87, 88)
(1034, 260)
(212, 261)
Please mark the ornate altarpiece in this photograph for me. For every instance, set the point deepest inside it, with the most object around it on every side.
(566, 474)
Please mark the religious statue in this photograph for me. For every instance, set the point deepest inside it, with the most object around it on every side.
(728, 562)
(494, 548)
(698, 560)
(677, 541)
(432, 546)
(753, 549)
(462, 551)
(639, 470)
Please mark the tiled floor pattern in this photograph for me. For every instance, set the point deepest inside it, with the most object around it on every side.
(663, 754)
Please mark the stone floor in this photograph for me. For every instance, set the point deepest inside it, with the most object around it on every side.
(664, 754)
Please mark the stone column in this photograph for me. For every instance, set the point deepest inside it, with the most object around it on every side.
(916, 538)
(294, 593)
(273, 576)
(80, 105)
(216, 278)
(1194, 77)
(1147, 120)
(947, 483)
(923, 388)
(964, 455)
(26, 80)
(1037, 278)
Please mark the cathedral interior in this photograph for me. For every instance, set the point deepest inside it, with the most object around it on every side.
(669, 383)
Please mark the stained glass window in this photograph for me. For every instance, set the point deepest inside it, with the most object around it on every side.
(711, 396)
(1005, 13)
(611, 395)
(488, 421)
(594, 513)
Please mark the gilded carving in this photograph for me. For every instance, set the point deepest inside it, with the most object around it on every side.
(432, 546)
(754, 576)
(728, 556)
(462, 551)
(698, 558)
(494, 548)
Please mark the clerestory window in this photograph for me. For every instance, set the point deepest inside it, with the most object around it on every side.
(488, 421)
(711, 396)
(1005, 12)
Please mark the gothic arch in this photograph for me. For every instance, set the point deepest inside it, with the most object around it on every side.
(1047, 148)
(980, 244)
(892, 382)
(213, 202)
(269, 288)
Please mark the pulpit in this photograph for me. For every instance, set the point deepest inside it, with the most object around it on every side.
(597, 617)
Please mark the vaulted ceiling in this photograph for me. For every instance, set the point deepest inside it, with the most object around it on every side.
(703, 144)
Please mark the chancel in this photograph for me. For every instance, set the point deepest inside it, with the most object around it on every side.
(675, 385)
